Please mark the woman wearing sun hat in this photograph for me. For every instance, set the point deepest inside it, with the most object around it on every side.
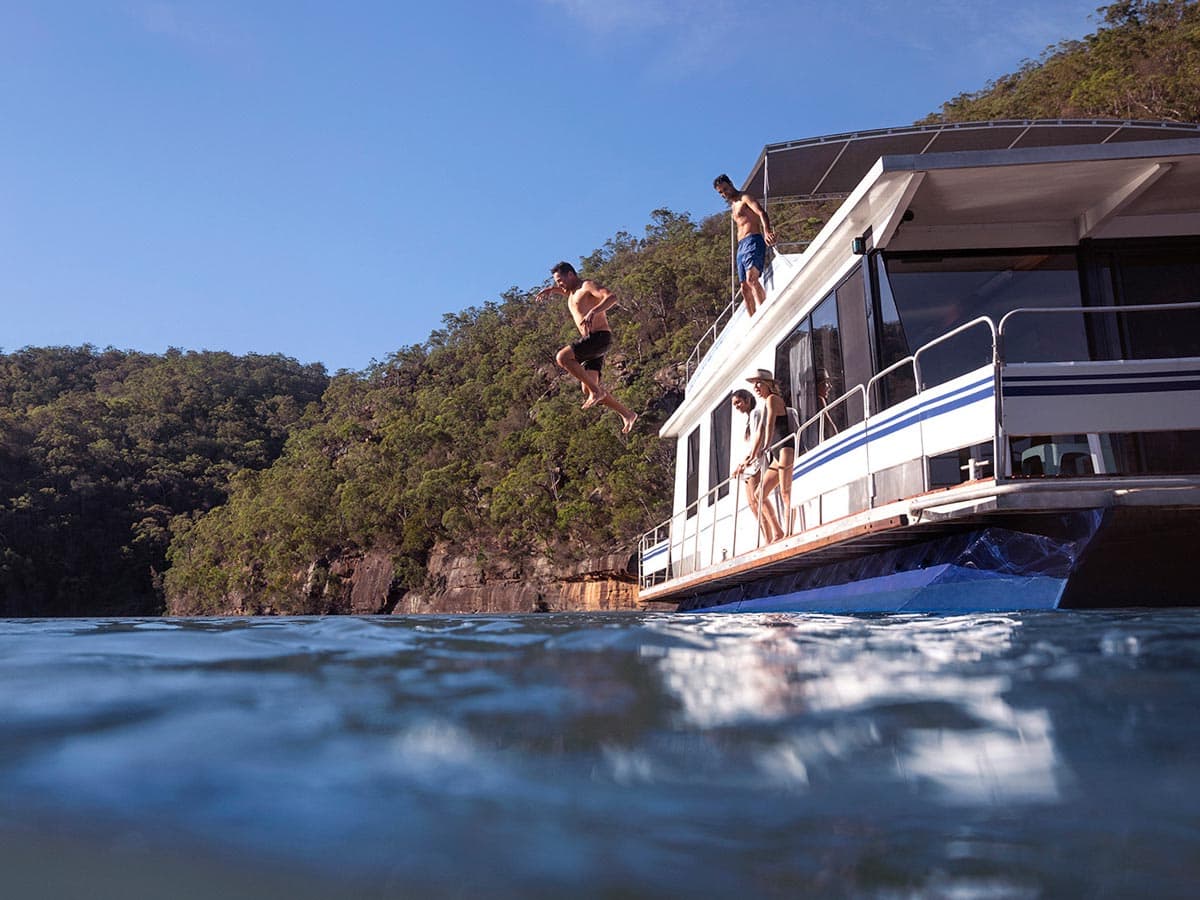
(777, 440)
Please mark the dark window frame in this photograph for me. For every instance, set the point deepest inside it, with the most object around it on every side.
(692, 473)
(720, 441)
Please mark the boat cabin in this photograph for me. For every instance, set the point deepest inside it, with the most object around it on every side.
(996, 333)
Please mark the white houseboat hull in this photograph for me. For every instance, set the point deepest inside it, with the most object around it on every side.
(1036, 442)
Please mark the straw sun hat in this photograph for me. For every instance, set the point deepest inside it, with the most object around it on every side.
(762, 375)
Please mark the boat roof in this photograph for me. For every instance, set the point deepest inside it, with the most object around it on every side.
(833, 165)
(1052, 195)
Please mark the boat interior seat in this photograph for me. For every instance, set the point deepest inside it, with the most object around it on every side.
(1076, 464)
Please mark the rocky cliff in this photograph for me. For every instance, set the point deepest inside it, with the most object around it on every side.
(462, 580)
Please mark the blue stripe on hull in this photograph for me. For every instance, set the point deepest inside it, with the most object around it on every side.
(936, 589)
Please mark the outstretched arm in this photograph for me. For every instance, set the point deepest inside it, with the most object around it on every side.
(552, 289)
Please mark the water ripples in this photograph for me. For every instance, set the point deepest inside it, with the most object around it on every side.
(985, 755)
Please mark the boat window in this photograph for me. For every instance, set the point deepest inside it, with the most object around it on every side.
(893, 347)
(934, 295)
(1159, 275)
(794, 367)
(1058, 455)
(827, 362)
(718, 451)
(964, 464)
(808, 364)
(856, 345)
(693, 471)
(1114, 453)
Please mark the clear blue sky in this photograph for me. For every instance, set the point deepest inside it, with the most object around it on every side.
(326, 179)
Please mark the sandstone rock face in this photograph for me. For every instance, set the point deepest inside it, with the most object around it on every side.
(502, 583)
(461, 581)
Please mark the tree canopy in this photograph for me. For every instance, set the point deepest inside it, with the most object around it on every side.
(1142, 63)
(99, 450)
(474, 437)
(206, 482)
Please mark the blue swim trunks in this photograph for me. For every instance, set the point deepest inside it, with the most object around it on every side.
(751, 254)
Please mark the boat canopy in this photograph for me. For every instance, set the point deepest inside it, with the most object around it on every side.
(831, 166)
(1052, 195)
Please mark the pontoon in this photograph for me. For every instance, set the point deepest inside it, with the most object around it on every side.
(1009, 314)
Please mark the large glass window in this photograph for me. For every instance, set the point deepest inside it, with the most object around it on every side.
(893, 346)
(718, 451)
(794, 366)
(827, 353)
(935, 294)
(1160, 275)
(693, 471)
(855, 343)
(830, 373)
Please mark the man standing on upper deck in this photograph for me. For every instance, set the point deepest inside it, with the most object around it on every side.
(588, 304)
(754, 236)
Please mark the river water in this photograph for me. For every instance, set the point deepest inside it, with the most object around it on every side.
(1035, 755)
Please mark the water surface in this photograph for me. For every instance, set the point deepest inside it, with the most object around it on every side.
(1048, 754)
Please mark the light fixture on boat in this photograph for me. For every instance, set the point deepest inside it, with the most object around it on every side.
(858, 246)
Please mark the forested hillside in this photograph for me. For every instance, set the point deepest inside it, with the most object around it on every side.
(1142, 63)
(100, 450)
(474, 437)
(206, 483)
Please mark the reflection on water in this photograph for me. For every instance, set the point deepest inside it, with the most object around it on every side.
(1013, 755)
(961, 737)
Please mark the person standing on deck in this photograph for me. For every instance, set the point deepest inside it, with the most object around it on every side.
(754, 236)
(778, 441)
(588, 304)
(749, 469)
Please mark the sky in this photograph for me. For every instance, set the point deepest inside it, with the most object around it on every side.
(326, 179)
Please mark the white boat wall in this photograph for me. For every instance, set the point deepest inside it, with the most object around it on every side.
(1009, 313)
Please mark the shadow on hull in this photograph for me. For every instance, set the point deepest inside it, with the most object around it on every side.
(1086, 559)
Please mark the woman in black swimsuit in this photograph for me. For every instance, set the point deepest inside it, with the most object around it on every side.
(779, 442)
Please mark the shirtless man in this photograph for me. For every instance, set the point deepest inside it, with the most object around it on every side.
(754, 236)
(588, 303)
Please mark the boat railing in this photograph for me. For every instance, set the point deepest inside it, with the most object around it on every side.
(1002, 329)
(693, 534)
(949, 335)
(725, 316)
(824, 416)
(1069, 401)
(687, 541)
(710, 337)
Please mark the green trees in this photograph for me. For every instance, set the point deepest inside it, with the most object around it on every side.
(1142, 63)
(99, 450)
(205, 482)
(472, 437)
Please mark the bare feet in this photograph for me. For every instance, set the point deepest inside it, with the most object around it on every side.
(629, 423)
(597, 396)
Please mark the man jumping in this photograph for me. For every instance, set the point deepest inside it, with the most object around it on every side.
(754, 236)
(588, 304)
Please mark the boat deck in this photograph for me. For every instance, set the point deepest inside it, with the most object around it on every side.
(972, 505)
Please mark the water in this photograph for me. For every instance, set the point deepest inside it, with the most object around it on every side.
(1049, 754)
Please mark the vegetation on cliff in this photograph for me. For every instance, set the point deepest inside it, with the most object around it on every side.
(99, 450)
(1142, 63)
(214, 483)
(473, 437)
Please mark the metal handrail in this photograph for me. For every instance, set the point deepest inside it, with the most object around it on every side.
(940, 339)
(723, 318)
(1148, 307)
(862, 390)
(709, 338)
(998, 334)
(833, 404)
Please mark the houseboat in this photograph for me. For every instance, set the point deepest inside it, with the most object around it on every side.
(1008, 318)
